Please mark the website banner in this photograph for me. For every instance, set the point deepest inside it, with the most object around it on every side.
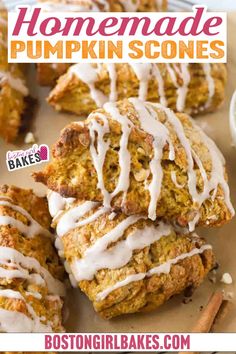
(119, 342)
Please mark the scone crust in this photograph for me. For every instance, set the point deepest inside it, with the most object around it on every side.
(48, 74)
(38, 247)
(73, 95)
(142, 295)
(72, 172)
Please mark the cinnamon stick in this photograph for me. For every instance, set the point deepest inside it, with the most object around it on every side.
(208, 315)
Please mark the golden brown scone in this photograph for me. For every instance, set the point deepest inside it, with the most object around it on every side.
(48, 74)
(126, 264)
(142, 158)
(104, 5)
(190, 88)
(13, 90)
(31, 275)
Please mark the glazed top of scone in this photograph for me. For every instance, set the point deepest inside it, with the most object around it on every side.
(142, 158)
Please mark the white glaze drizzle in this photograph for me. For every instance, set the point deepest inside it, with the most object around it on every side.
(71, 219)
(161, 87)
(14, 321)
(150, 124)
(31, 230)
(211, 83)
(111, 68)
(112, 216)
(161, 269)
(144, 72)
(217, 174)
(56, 203)
(130, 5)
(159, 4)
(174, 180)
(35, 294)
(218, 168)
(99, 257)
(15, 82)
(148, 118)
(183, 89)
(98, 152)
(124, 154)
(23, 265)
(89, 75)
(194, 221)
(172, 74)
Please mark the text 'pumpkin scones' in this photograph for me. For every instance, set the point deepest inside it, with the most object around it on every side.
(30, 273)
(125, 264)
(142, 158)
(13, 90)
(190, 88)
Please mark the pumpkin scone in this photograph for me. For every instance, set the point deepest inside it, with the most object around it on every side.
(125, 264)
(13, 91)
(31, 276)
(190, 88)
(142, 158)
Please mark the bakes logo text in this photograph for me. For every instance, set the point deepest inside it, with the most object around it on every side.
(25, 158)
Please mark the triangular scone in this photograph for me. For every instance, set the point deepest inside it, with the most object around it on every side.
(13, 90)
(104, 5)
(125, 264)
(142, 158)
(191, 88)
(31, 276)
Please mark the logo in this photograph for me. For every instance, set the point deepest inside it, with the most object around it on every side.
(18, 159)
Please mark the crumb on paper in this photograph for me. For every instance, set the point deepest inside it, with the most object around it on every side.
(29, 138)
(216, 266)
(187, 300)
(226, 279)
(229, 295)
(212, 276)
